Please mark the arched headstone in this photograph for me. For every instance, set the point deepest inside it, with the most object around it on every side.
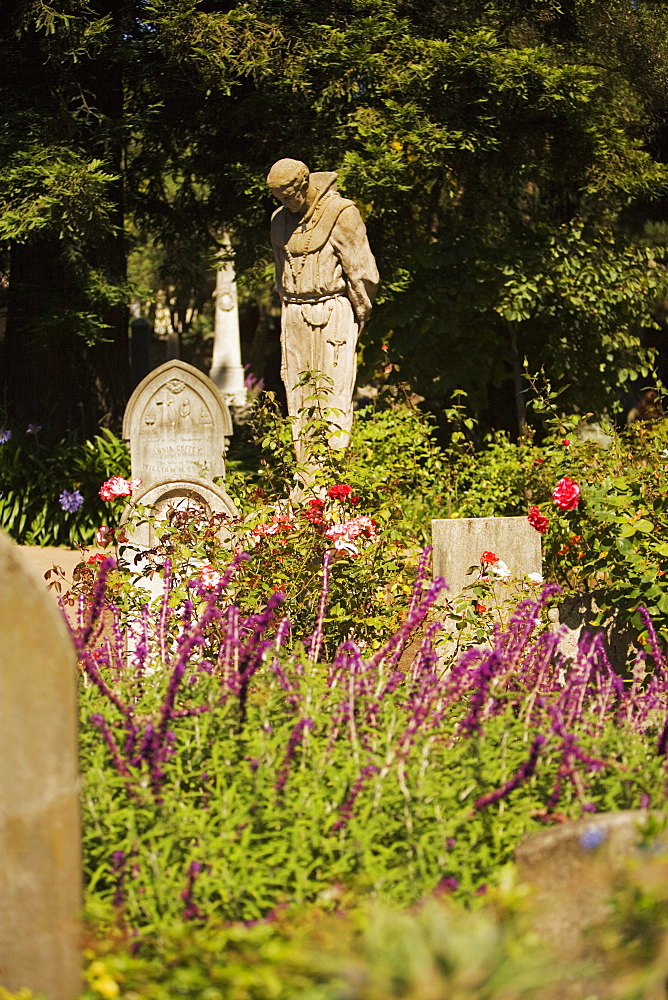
(177, 424)
(179, 495)
(40, 838)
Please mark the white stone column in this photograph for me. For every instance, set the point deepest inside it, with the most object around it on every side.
(226, 369)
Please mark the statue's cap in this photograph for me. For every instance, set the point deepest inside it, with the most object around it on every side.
(285, 172)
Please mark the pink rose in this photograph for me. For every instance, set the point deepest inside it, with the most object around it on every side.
(278, 524)
(344, 534)
(209, 577)
(566, 494)
(118, 487)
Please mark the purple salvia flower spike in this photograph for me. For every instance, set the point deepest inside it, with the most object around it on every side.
(422, 575)
(101, 723)
(296, 737)
(313, 646)
(520, 776)
(164, 610)
(81, 636)
(347, 809)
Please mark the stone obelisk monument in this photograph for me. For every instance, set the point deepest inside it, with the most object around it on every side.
(227, 372)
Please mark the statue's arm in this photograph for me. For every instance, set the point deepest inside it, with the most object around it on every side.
(278, 254)
(351, 246)
(278, 268)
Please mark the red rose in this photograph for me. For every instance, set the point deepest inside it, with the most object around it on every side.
(566, 494)
(537, 520)
(488, 557)
(339, 492)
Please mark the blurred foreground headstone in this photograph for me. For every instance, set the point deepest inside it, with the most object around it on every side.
(573, 870)
(40, 839)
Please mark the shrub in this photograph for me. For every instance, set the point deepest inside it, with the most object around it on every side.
(226, 775)
(37, 479)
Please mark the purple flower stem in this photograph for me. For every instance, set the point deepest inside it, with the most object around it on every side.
(348, 808)
(96, 604)
(521, 775)
(314, 645)
(296, 737)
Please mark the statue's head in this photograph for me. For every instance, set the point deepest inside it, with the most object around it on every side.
(289, 182)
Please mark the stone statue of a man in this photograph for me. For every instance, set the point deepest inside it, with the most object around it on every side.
(327, 280)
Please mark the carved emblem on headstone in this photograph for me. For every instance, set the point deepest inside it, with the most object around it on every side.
(177, 425)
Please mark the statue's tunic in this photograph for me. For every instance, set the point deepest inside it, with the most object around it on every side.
(327, 280)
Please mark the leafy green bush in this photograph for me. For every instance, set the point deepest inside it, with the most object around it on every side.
(34, 475)
(613, 544)
(226, 774)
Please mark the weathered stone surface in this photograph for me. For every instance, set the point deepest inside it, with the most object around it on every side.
(196, 495)
(574, 618)
(177, 424)
(459, 542)
(327, 279)
(40, 844)
(572, 870)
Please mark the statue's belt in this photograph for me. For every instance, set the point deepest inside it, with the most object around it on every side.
(306, 298)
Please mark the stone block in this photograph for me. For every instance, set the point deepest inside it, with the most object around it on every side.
(459, 542)
(40, 839)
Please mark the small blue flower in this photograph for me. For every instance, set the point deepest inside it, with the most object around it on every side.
(5, 436)
(592, 838)
(70, 500)
(33, 428)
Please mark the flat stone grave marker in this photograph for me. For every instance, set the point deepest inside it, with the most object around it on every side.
(460, 541)
(40, 838)
(177, 424)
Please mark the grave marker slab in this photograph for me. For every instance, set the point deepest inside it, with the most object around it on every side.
(177, 424)
(180, 495)
(459, 542)
(40, 839)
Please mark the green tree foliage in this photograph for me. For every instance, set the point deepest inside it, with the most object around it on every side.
(61, 191)
(504, 154)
